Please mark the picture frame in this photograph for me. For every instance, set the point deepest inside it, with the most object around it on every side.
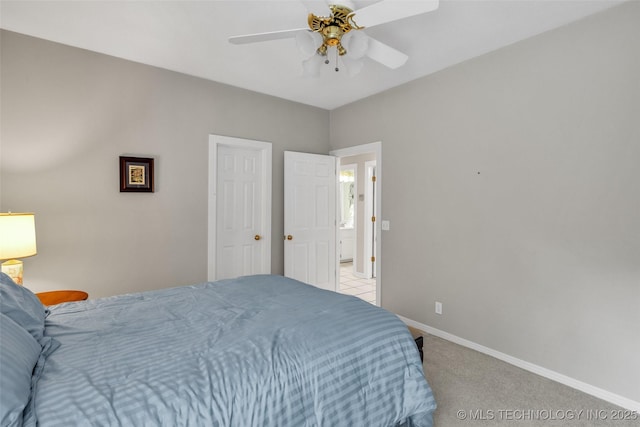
(136, 175)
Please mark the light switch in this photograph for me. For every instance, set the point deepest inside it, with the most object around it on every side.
(385, 225)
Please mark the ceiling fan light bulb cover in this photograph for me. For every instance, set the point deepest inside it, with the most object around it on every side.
(353, 66)
(311, 66)
(357, 44)
(308, 42)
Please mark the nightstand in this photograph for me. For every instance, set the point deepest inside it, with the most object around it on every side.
(58, 297)
(417, 337)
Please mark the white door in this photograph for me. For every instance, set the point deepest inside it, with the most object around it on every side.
(310, 182)
(240, 212)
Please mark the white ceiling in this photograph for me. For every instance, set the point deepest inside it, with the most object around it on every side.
(191, 37)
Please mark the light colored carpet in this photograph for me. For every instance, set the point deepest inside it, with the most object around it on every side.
(473, 389)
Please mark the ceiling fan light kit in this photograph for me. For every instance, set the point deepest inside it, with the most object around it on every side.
(332, 28)
(335, 31)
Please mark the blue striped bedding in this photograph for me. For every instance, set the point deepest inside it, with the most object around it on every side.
(253, 351)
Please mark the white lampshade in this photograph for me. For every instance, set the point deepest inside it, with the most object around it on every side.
(311, 66)
(353, 66)
(356, 43)
(17, 235)
(308, 42)
(17, 240)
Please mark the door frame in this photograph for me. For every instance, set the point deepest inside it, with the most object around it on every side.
(374, 147)
(266, 147)
(369, 234)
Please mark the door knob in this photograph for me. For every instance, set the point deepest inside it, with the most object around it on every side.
(257, 237)
(289, 237)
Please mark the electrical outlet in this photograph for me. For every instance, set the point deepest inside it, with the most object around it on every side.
(438, 307)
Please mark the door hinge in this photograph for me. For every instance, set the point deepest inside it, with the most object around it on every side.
(373, 219)
(373, 259)
(373, 178)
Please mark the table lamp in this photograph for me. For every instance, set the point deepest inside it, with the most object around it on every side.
(17, 240)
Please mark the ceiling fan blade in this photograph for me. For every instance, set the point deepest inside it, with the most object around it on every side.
(347, 3)
(386, 55)
(317, 7)
(263, 37)
(392, 10)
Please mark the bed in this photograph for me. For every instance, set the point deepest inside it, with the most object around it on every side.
(254, 351)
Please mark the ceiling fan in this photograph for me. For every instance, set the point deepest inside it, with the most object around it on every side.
(340, 32)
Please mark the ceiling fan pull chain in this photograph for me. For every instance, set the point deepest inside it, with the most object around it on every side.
(337, 69)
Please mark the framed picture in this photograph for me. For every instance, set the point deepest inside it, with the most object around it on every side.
(136, 174)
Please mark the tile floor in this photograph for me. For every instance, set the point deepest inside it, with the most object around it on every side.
(353, 285)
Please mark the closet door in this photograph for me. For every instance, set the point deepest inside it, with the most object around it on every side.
(240, 208)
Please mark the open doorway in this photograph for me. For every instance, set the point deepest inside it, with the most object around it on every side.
(347, 212)
(358, 204)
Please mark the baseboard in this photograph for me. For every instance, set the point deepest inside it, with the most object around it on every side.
(539, 370)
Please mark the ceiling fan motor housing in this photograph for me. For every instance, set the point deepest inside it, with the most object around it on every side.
(333, 27)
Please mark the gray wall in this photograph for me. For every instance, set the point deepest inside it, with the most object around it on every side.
(68, 114)
(511, 183)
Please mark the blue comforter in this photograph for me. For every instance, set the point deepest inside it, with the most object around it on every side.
(253, 351)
